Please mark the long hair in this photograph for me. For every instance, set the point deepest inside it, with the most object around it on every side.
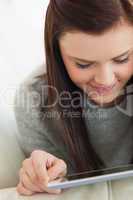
(88, 16)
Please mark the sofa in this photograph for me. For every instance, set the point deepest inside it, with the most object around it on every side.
(11, 154)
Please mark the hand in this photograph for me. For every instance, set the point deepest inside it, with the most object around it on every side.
(39, 169)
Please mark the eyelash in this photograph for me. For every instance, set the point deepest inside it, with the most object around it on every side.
(83, 66)
(122, 61)
(116, 61)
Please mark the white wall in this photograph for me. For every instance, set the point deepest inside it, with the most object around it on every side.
(21, 39)
(21, 45)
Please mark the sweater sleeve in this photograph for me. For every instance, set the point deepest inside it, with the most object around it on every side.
(34, 133)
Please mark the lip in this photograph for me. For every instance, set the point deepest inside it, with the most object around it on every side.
(103, 89)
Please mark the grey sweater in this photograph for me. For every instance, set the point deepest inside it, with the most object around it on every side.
(110, 130)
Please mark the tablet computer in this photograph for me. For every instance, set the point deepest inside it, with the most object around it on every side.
(94, 176)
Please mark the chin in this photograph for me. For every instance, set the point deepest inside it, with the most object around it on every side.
(101, 100)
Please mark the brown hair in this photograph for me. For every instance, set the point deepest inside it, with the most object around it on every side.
(89, 16)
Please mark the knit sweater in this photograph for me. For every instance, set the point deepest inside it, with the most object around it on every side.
(110, 130)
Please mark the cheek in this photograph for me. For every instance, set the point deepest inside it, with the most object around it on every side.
(78, 76)
(126, 72)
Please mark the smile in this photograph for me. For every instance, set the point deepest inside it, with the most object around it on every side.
(103, 90)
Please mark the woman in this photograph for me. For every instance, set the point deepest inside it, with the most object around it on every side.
(89, 64)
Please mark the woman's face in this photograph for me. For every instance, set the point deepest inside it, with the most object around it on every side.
(102, 64)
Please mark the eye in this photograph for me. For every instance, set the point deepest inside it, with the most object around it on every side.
(125, 60)
(82, 66)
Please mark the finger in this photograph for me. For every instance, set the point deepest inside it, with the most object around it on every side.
(22, 190)
(32, 175)
(39, 163)
(59, 169)
(25, 179)
(28, 168)
(53, 191)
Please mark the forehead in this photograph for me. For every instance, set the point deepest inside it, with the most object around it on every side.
(109, 44)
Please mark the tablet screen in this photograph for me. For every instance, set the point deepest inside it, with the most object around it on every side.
(92, 173)
(94, 176)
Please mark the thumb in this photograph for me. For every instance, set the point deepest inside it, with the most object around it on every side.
(58, 169)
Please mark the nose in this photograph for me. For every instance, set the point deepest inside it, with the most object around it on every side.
(105, 76)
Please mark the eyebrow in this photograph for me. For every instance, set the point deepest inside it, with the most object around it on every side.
(91, 61)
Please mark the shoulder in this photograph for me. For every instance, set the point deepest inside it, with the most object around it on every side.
(30, 104)
(32, 92)
(30, 96)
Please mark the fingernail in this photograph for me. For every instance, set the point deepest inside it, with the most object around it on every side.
(46, 181)
(40, 189)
